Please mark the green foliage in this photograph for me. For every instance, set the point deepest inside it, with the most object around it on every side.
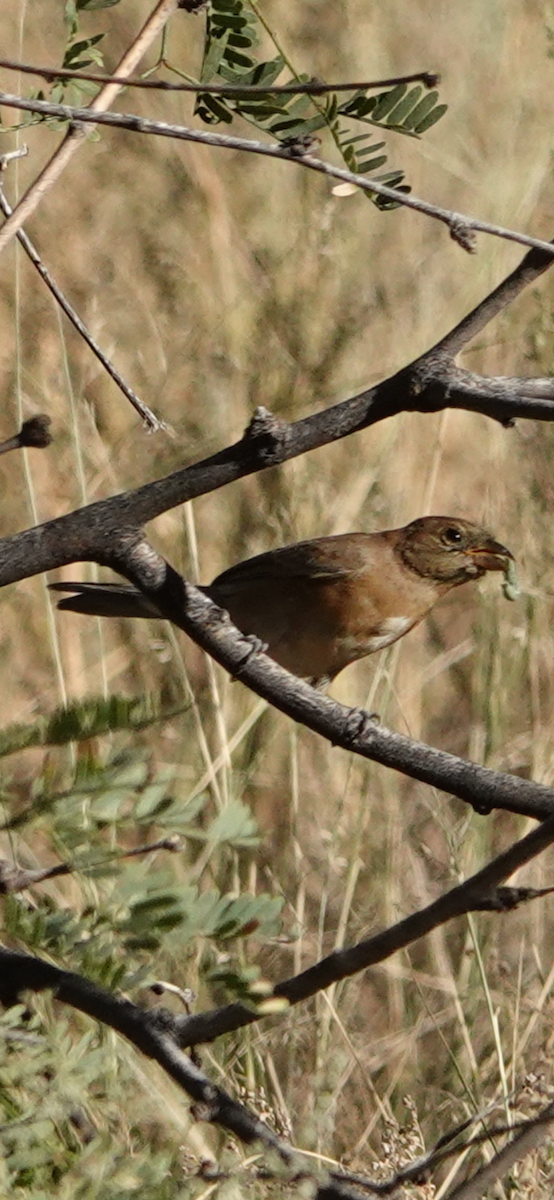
(85, 719)
(74, 7)
(231, 36)
(124, 919)
(135, 909)
(62, 1091)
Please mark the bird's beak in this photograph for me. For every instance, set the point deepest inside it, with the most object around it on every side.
(490, 555)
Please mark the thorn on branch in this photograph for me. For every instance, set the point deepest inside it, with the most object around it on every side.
(481, 807)
(505, 899)
(185, 995)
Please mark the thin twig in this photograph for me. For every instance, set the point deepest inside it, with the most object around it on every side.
(18, 879)
(461, 226)
(525, 1140)
(153, 423)
(315, 87)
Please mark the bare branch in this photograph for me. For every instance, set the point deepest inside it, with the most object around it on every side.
(527, 271)
(315, 87)
(474, 894)
(146, 413)
(428, 384)
(460, 225)
(160, 1035)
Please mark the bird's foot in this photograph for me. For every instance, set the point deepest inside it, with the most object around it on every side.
(254, 646)
(359, 722)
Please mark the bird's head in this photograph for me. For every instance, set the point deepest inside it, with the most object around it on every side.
(450, 550)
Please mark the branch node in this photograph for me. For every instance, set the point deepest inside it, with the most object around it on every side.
(36, 431)
(462, 233)
(265, 422)
(504, 899)
(203, 1110)
(271, 433)
(5, 159)
(33, 432)
(299, 145)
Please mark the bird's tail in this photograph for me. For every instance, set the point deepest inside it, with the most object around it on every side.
(104, 600)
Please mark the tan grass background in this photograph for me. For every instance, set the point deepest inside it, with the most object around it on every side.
(219, 282)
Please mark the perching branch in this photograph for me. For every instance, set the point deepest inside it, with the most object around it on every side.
(354, 729)
(108, 532)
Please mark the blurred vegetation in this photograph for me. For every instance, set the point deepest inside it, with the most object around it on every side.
(218, 282)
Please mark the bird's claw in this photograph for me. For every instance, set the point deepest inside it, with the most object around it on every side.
(359, 722)
(255, 646)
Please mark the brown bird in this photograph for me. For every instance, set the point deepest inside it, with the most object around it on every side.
(320, 605)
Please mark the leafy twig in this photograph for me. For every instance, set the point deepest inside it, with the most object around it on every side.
(461, 226)
(63, 155)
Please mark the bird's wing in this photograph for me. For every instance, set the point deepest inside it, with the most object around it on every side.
(322, 558)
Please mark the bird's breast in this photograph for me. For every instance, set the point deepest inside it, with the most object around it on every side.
(388, 631)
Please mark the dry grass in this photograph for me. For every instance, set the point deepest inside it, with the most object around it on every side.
(219, 283)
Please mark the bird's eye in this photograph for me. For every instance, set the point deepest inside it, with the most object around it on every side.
(452, 536)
